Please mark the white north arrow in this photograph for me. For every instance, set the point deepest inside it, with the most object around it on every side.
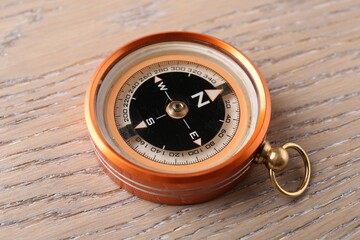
(213, 93)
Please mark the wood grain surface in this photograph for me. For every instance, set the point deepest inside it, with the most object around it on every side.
(51, 184)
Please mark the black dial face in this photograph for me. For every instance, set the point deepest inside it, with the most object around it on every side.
(188, 92)
(177, 112)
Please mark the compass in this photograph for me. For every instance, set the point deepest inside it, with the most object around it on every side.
(180, 117)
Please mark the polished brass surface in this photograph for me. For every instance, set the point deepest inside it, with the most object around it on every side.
(177, 109)
(276, 159)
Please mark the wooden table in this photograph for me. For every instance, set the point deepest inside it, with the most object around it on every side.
(51, 184)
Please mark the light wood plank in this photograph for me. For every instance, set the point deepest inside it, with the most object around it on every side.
(51, 184)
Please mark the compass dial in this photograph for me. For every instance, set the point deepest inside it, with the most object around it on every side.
(172, 108)
(179, 112)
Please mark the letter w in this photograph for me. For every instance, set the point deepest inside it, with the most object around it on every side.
(162, 86)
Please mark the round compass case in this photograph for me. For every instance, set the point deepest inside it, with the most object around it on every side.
(179, 118)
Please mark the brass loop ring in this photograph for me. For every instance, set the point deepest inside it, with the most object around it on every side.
(306, 179)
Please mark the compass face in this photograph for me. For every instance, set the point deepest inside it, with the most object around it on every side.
(179, 112)
(176, 107)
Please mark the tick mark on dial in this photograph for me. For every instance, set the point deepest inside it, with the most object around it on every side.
(186, 124)
(168, 96)
(161, 116)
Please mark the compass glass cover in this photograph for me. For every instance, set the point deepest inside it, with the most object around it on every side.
(177, 107)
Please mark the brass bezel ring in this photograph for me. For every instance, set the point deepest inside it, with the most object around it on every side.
(306, 179)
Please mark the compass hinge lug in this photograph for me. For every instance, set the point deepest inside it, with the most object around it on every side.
(274, 158)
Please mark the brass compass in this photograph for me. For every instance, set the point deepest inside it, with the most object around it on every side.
(179, 118)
